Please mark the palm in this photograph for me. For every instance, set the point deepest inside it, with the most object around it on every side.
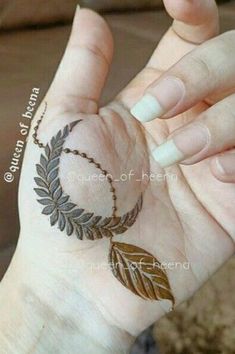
(183, 220)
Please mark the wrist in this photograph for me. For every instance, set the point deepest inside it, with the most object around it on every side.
(40, 312)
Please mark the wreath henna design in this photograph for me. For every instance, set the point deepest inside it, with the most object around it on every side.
(135, 268)
(57, 204)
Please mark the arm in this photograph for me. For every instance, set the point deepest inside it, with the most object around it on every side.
(43, 316)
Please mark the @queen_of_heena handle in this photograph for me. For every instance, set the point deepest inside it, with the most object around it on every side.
(135, 268)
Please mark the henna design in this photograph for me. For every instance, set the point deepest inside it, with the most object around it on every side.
(135, 268)
(103, 171)
(140, 272)
(58, 205)
(83, 155)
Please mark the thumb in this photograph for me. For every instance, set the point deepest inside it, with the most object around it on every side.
(80, 78)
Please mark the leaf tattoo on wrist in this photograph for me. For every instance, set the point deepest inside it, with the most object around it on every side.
(135, 268)
(140, 272)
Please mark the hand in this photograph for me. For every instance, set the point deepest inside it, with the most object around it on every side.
(202, 81)
(185, 220)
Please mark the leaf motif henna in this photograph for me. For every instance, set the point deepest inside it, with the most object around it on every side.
(140, 272)
(58, 205)
(135, 268)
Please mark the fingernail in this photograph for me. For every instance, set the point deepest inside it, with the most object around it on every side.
(184, 144)
(160, 99)
(225, 165)
(147, 109)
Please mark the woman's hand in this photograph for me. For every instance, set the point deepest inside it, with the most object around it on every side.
(203, 79)
(62, 300)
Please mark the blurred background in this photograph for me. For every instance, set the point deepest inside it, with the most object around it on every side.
(33, 35)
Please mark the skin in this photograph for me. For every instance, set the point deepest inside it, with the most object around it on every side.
(190, 219)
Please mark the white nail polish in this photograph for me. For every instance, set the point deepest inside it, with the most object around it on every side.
(167, 154)
(147, 109)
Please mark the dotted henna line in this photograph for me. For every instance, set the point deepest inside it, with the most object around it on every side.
(84, 156)
(35, 135)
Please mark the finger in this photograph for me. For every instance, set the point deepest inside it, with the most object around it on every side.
(207, 70)
(81, 75)
(223, 167)
(194, 20)
(212, 133)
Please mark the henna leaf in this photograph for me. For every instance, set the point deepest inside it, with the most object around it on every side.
(54, 217)
(79, 232)
(43, 162)
(41, 192)
(106, 233)
(48, 209)
(76, 213)
(140, 272)
(58, 205)
(58, 193)
(40, 182)
(53, 175)
(63, 199)
(41, 172)
(67, 206)
(54, 185)
(89, 234)
(62, 221)
(45, 201)
(47, 151)
(52, 164)
(69, 227)
(85, 217)
(94, 221)
(58, 135)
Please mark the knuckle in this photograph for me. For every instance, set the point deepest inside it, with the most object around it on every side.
(209, 62)
(221, 116)
(202, 68)
(221, 121)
